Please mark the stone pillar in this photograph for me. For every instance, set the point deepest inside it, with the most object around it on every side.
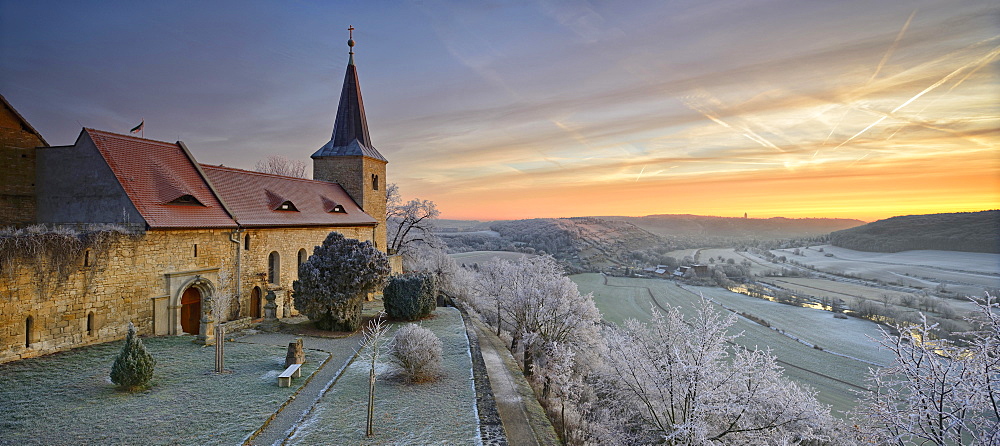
(296, 355)
(206, 331)
(270, 308)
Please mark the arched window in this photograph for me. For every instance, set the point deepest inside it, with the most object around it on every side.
(374, 182)
(90, 324)
(303, 255)
(28, 322)
(246, 242)
(273, 268)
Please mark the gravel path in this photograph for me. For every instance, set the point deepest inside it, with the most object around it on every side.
(341, 351)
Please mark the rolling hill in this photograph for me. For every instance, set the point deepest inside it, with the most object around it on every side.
(961, 231)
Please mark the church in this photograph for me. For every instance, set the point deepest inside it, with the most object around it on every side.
(116, 228)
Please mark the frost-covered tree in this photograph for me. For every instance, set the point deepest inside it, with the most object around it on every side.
(133, 367)
(417, 351)
(539, 305)
(937, 392)
(333, 282)
(372, 343)
(409, 223)
(680, 382)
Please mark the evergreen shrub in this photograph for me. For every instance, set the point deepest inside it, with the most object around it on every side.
(410, 296)
(133, 368)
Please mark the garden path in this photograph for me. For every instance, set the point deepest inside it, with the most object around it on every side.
(341, 352)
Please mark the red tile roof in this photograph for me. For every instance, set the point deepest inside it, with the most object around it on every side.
(154, 173)
(254, 199)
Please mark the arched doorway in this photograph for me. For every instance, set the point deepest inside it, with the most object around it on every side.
(255, 303)
(191, 311)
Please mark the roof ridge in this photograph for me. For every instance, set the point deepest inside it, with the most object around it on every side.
(120, 135)
(273, 175)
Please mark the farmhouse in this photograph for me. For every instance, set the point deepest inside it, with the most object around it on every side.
(137, 230)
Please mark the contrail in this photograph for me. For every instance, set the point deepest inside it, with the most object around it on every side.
(640, 173)
(892, 47)
(989, 56)
(746, 132)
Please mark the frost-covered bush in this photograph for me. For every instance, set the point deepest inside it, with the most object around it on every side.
(334, 281)
(133, 368)
(417, 351)
(410, 296)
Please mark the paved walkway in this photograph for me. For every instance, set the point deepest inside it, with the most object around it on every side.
(341, 352)
(524, 420)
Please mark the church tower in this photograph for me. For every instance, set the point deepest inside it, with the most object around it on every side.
(349, 158)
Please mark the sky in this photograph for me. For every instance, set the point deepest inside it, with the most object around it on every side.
(549, 108)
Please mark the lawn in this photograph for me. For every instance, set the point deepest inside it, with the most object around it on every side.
(439, 412)
(67, 398)
(835, 377)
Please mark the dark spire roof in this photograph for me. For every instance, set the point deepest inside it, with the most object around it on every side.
(350, 132)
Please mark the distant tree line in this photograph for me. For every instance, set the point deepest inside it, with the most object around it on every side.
(962, 231)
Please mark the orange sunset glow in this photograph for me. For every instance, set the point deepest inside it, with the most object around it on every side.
(852, 109)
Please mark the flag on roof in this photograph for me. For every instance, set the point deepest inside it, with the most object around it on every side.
(138, 128)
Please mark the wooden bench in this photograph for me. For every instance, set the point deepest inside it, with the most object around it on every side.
(285, 378)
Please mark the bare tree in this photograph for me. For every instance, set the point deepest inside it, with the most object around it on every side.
(408, 223)
(937, 392)
(221, 304)
(371, 347)
(678, 381)
(281, 165)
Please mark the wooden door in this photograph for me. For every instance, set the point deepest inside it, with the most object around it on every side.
(191, 311)
(255, 303)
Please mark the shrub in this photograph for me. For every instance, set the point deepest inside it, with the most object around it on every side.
(133, 368)
(417, 351)
(410, 296)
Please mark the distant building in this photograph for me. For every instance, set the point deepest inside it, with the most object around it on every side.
(195, 232)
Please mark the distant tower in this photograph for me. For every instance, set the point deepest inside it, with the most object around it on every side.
(744, 215)
(349, 158)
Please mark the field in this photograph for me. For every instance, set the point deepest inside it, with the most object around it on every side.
(960, 272)
(471, 257)
(837, 371)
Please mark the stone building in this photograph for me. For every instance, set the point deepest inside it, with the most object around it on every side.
(17, 156)
(147, 234)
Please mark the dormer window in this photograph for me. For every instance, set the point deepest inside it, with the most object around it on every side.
(338, 209)
(186, 200)
(287, 206)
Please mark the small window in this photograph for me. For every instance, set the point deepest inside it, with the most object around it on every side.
(338, 209)
(196, 250)
(86, 258)
(186, 200)
(303, 256)
(90, 324)
(273, 268)
(246, 242)
(374, 182)
(287, 206)
(28, 322)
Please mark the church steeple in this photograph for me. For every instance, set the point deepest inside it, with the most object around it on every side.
(350, 130)
(350, 159)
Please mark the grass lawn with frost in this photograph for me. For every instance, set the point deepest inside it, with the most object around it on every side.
(68, 399)
(438, 412)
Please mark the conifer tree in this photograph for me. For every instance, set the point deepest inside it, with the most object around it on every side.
(133, 368)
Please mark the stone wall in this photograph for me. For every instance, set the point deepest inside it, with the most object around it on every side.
(141, 279)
